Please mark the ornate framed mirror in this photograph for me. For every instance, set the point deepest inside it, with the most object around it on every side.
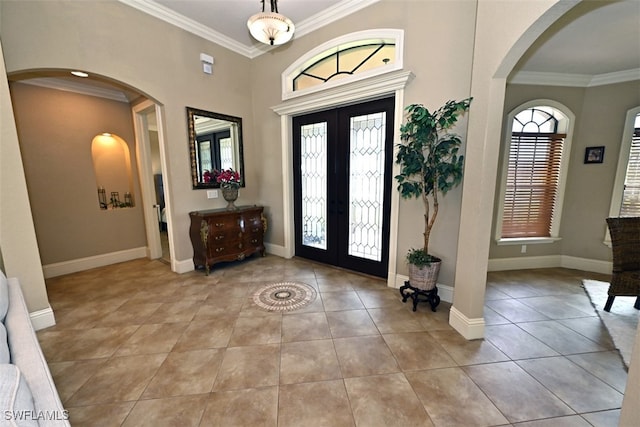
(215, 144)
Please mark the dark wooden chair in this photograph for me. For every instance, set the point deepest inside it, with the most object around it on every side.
(625, 244)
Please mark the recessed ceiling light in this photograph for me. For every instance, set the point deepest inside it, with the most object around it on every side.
(106, 134)
(80, 74)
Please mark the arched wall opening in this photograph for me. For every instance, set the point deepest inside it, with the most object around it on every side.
(66, 133)
(489, 81)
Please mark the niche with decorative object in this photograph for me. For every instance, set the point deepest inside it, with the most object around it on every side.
(112, 166)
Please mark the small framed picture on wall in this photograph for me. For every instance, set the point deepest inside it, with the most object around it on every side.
(594, 154)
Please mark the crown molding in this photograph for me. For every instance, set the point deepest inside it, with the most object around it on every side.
(327, 16)
(573, 80)
(617, 77)
(68, 86)
(330, 15)
(167, 15)
(550, 79)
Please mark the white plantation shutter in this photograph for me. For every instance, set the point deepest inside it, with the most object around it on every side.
(631, 193)
(533, 178)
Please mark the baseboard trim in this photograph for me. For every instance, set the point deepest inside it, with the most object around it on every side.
(470, 329)
(445, 292)
(182, 266)
(550, 261)
(277, 250)
(523, 263)
(585, 264)
(82, 264)
(41, 319)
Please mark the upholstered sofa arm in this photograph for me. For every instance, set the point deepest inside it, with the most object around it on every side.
(27, 355)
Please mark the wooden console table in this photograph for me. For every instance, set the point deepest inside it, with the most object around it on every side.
(220, 235)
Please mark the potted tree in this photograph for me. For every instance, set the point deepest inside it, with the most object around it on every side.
(430, 166)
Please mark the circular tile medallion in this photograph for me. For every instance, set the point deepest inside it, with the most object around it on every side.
(284, 296)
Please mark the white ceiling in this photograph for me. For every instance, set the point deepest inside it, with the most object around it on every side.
(225, 21)
(229, 17)
(596, 39)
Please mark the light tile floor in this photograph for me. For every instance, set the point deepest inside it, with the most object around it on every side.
(138, 345)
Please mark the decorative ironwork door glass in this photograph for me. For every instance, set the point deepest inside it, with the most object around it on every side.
(313, 168)
(366, 182)
(226, 153)
(342, 176)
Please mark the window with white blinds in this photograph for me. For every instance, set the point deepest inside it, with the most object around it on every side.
(532, 174)
(631, 193)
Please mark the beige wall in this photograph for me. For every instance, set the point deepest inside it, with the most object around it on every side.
(116, 41)
(600, 117)
(602, 121)
(439, 77)
(163, 62)
(18, 244)
(55, 129)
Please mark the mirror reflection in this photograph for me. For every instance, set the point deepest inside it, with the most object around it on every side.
(215, 143)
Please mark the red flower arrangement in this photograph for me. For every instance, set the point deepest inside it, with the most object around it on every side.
(228, 177)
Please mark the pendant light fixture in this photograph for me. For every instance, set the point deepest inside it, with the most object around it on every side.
(271, 28)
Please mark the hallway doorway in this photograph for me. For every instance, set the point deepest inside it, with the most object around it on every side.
(149, 136)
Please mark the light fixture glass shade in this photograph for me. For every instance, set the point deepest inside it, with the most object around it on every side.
(271, 28)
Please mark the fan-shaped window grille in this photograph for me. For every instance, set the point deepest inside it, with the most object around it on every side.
(343, 60)
(346, 62)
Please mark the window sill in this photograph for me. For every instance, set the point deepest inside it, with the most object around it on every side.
(527, 241)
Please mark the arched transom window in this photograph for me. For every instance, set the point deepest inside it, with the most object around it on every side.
(346, 62)
(345, 59)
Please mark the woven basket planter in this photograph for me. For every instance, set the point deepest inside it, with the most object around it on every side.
(425, 277)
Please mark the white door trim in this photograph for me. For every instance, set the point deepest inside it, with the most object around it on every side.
(380, 86)
(143, 155)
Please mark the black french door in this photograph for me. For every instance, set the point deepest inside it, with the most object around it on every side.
(342, 185)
